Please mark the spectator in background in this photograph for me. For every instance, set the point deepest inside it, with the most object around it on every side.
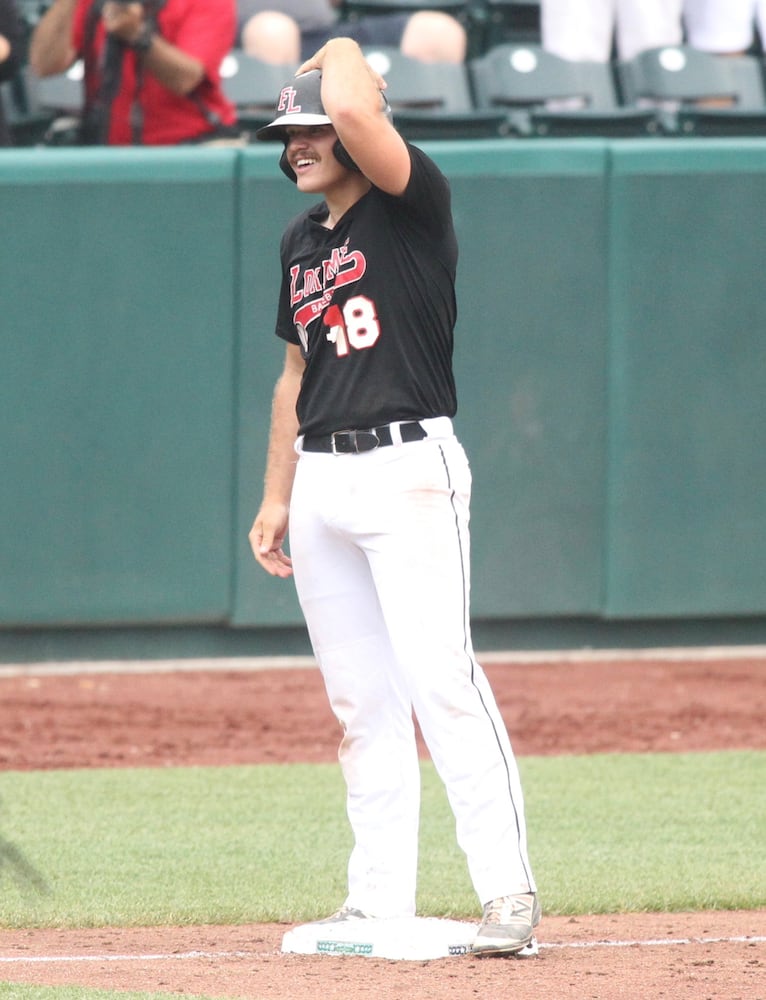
(10, 56)
(589, 29)
(289, 31)
(724, 27)
(151, 69)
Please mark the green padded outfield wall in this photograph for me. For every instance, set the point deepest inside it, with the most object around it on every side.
(686, 531)
(609, 357)
(116, 388)
(530, 355)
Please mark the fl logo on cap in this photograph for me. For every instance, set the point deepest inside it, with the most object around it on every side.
(287, 101)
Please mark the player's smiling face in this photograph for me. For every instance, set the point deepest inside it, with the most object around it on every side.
(310, 154)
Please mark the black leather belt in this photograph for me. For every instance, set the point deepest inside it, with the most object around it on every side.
(355, 442)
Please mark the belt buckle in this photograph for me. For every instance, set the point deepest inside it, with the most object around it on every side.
(354, 442)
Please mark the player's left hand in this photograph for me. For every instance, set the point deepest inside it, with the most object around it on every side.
(267, 537)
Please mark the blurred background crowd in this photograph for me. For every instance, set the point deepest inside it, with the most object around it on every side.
(154, 72)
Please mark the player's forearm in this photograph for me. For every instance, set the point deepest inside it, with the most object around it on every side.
(282, 458)
(269, 531)
(50, 48)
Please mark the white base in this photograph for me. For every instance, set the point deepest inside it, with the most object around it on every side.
(404, 938)
(416, 938)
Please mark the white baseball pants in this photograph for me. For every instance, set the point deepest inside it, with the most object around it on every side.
(584, 29)
(380, 549)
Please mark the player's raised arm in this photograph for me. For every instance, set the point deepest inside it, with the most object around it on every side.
(352, 95)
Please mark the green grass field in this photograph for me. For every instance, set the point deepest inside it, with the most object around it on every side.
(15, 991)
(607, 833)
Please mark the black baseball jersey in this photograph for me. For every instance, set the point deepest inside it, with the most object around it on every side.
(372, 305)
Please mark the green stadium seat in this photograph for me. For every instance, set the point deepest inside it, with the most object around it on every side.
(698, 93)
(544, 95)
(253, 86)
(60, 98)
(432, 100)
(510, 22)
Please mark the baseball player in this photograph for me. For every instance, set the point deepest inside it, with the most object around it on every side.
(364, 462)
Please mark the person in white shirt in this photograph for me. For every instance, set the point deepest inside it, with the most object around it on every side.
(591, 30)
(724, 27)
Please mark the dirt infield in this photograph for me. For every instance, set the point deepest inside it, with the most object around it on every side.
(556, 705)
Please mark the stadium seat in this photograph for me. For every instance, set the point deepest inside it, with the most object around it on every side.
(253, 87)
(698, 93)
(510, 22)
(62, 93)
(60, 98)
(544, 95)
(34, 121)
(432, 100)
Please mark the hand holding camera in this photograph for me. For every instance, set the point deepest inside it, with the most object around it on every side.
(124, 20)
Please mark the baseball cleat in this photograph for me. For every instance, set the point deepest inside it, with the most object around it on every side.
(508, 926)
(344, 914)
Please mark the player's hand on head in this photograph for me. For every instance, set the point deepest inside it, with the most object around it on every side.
(317, 61)
(313, 62)
(267, 537)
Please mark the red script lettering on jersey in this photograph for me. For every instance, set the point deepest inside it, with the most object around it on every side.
(340, 268)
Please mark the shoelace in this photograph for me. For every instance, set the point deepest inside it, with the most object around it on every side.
(494, 911)
(348, 913)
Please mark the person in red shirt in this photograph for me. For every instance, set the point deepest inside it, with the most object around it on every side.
(151, 69)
